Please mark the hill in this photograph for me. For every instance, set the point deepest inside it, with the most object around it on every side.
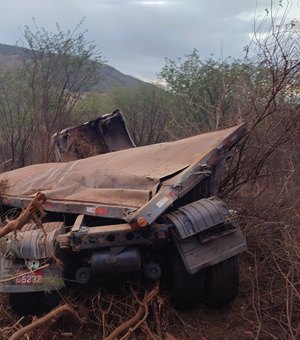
(11, 57)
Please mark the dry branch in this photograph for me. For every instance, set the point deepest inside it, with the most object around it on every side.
(34, 207)
(137, 319)
(54, 314)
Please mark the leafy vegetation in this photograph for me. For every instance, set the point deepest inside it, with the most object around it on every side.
(39, 97)
(262, 178)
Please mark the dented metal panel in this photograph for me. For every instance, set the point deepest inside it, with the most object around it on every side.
(177, 186)
(104, 134)
(128, 178)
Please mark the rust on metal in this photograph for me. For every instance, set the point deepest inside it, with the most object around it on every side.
(104, 134)
(115, 184)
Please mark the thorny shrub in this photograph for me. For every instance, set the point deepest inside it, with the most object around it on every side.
(269, 209)
(262, 183)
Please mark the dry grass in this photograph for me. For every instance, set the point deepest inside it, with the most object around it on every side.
(268, 305)
(270, 270)
(103, 312)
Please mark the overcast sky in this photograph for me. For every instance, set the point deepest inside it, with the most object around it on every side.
(135, 36)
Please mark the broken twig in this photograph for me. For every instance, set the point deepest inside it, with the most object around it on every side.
(55, 313)
(137, 319)
(26, 216)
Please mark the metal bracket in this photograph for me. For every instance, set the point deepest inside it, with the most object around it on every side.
(77, 224)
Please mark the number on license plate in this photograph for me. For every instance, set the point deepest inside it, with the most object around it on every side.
(35, 278)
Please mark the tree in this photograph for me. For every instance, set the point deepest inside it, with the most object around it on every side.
(90, 106)
(263, 90)
(211, 94)
(262, 177)
(148, 110)
(57, 69)
(17, 124)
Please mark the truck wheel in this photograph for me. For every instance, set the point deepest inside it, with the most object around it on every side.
(33, 303)
(222, 282)
(187, 290)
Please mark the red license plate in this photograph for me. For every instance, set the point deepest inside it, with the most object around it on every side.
(35, 278)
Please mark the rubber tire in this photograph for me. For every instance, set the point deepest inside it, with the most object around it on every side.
(33, 303)
(222, 283)
(187, 291)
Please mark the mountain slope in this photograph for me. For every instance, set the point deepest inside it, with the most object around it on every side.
(111, 77)
(11, 57)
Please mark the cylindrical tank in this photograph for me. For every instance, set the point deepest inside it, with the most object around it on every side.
(128, 260)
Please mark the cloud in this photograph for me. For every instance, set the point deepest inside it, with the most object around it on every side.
(136, 35)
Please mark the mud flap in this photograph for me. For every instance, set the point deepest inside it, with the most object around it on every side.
(205, 233)
(197, 255)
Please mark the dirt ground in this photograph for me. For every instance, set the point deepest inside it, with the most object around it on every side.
(98, 310)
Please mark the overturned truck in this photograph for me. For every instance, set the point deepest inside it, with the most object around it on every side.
(152, 210)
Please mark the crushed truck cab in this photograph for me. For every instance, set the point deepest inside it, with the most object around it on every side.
(151, 209)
